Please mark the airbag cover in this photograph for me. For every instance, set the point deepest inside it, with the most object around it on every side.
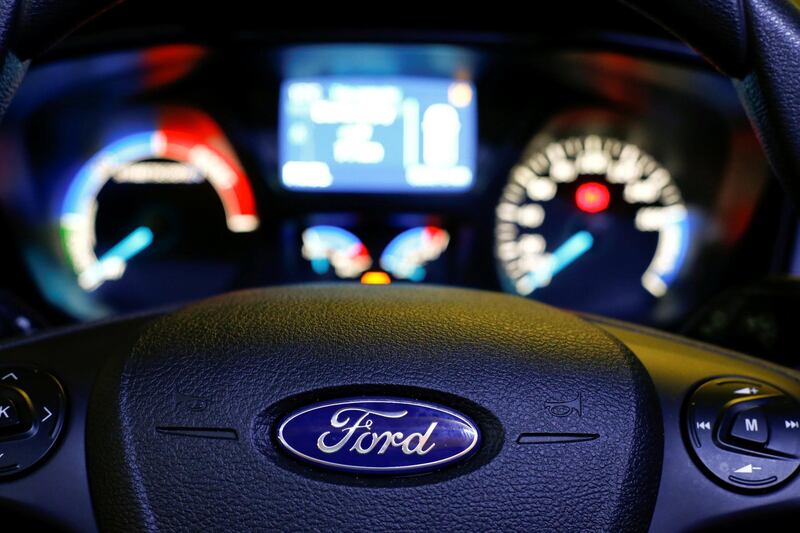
(182, 433)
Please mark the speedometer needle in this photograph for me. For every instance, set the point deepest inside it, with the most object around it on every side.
(562, 257)
(112, 264)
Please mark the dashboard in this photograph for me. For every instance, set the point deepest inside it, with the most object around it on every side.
(616, 180)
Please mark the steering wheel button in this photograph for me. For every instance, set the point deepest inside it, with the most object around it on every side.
(702, 421)
(14, 413)
(784, 427)
(736, 390)
(751, 426)
(9, 377)
(31, 417)
(742, 433)
(9, 416)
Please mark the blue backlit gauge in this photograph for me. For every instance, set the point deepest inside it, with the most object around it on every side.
(159, 215)
(407, 254)
(331, 247)
(591, 223)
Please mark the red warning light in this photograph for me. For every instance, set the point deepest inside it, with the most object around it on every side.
(592, 197)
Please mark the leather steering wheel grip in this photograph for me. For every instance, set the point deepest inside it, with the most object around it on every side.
(37, 24)
(757, 43)
(28, 27)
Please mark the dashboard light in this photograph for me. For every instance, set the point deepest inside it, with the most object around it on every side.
(375, 278)
(459, 94)
(592, 197)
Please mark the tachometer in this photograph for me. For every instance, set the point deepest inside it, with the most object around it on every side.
(591, 223)
(159, 215)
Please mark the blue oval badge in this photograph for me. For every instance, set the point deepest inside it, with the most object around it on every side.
(379, 435)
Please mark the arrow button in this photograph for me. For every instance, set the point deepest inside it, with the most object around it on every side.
(9, 416)
(9, 376)
(784, 427)
(750, 475)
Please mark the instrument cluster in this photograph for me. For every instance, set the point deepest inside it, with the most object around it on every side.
(608, 183)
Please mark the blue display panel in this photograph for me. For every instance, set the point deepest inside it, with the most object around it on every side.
(378, 135)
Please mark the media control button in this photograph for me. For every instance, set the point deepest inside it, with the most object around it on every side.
(751, 426)
(784, 427)
(743, 433)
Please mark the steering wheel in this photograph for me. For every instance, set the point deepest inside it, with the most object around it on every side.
(407, 408)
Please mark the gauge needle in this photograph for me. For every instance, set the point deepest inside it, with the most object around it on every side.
(112, 264)
(562, 257)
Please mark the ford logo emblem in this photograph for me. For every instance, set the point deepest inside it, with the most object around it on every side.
(378, 435)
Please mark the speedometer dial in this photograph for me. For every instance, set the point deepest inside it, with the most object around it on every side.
(591, 223)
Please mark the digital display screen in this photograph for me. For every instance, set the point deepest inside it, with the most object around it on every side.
(378, 135)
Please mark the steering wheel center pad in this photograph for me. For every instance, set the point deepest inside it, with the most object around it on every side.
(227, 367)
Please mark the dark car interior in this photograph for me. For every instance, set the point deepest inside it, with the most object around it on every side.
(544, 259)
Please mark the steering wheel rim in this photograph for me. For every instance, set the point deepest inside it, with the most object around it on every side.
(623, 389)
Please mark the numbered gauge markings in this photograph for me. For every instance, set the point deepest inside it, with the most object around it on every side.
(584, 201)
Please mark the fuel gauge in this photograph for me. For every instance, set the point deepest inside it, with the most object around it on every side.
(334, 252)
